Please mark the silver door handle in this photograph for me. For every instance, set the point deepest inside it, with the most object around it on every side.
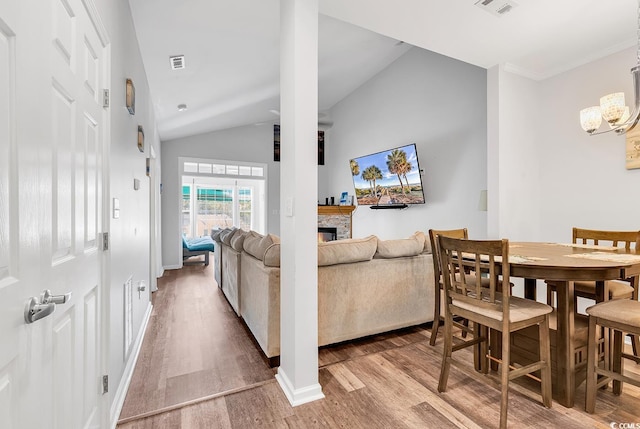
(44, 305)
(36, 311)
(47, 298)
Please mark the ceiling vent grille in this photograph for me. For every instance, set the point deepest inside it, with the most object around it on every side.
(496, 7)
(177, 62)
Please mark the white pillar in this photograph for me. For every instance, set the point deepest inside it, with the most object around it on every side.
(298, 372)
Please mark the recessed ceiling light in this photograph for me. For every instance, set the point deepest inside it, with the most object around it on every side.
(182, 107)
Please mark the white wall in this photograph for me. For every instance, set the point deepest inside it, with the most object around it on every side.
(441, 105)
(513, 160)
(253, 143)
(554, 176)
(130, 234)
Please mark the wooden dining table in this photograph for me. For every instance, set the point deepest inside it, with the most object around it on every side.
(564, 264)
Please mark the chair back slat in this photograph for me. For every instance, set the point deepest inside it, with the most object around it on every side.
(433, 234)
(484, 258)
(628, 239)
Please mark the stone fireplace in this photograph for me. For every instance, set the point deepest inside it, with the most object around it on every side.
(338, 217)
(327, 233)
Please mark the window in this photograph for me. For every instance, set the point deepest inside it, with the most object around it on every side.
(217, 194)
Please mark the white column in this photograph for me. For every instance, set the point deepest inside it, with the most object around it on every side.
(298, 372)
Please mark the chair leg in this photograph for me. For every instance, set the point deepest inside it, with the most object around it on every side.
(592, 361)
(550, 291)
(484, 350)
(436, 317)
(635, 344)
(545, 355)
(617, 360)
(504, 379)
(477, 352)
(465, 322)
(446, 353)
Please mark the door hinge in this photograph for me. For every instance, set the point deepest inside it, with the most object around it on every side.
(105, 384)
(105, 241)
(105, 98)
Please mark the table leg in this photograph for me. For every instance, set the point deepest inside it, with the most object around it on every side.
(530, 289)
(565, 349)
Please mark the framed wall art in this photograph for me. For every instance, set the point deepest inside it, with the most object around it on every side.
(276, 145)
(633, 149)
(140, 138)
(130, 97)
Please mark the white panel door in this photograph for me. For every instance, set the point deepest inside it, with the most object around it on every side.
(52, 72)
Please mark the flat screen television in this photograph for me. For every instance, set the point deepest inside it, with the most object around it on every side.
(390, 178)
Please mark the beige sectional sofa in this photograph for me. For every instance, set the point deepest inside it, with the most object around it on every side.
(227, 271)
(365, 286)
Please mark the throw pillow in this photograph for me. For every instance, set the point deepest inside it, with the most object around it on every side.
(272, 255)
(227, 236)
(238, 240)
(256, 244)
(346, 251)
(215, 234)
(411, 246)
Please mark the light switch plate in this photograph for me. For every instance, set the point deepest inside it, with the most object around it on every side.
(116, 208)
(288, 207)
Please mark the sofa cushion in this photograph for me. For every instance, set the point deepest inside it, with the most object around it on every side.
(272, 255)
(427, 242)
(215, 234)
(237, 240)
(411, 246)
(256, 244)
(228, 235)
(347, 251)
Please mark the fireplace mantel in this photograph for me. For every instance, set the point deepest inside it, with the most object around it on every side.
(336, 216)
(335, 210)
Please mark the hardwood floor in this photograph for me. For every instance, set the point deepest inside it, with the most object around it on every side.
(195, 346)
(385, 381)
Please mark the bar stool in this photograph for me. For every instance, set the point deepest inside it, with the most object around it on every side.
(623, 317)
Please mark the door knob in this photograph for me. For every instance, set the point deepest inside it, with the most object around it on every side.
(36, 311)
(41, 306)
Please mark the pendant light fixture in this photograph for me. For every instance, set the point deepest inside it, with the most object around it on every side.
(613, 108)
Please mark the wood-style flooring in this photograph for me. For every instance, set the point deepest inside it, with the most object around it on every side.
(196, 347)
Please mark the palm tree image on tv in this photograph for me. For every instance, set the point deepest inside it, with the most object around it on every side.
(388, 177)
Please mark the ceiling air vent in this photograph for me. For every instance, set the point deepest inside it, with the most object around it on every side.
(496, 7)
(177, 62)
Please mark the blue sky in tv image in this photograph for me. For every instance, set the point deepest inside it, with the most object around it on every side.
(388, 179)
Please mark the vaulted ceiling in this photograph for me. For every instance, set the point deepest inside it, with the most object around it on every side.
(231, 48)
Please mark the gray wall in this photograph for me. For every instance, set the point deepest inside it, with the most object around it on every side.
(441, 105)
(130, 234)
(253, 143)
(424, 98)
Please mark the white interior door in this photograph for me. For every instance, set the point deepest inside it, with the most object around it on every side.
(52, 72)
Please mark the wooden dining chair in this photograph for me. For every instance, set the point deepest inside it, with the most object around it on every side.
(467, 297)
(437, 271)
(613, 289)
(622, 316)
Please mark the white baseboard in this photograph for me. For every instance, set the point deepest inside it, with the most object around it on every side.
(172, 267)
(121, 393)
(298, 396)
